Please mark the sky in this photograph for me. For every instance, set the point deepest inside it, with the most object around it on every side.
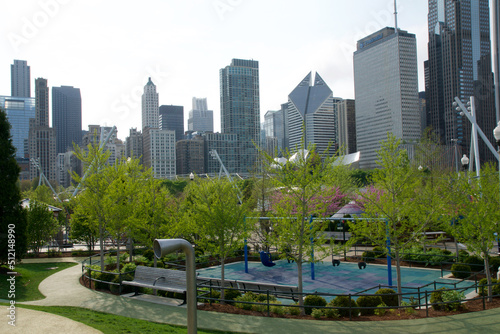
(109, 48)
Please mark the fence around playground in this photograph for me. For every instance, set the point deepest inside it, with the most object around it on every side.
(208, 291)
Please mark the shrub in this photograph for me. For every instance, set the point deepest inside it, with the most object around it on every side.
(460, 270)
(437, 297)
(453, 296)
(277, 308)
(368, 256)
(128, 267)
(109, 260)
(141, 260)
(247, 297)
(149, 254)
(317, 313)
(293, 310)
(313, 300)
(124, 257)
(230, 295)
(389, 296)
(343, 301)
(106, 277)
(53, 253)
(380, 311)
(331, 313)
(408, 307)
(477, 264)
(368, 301)
(483, 287)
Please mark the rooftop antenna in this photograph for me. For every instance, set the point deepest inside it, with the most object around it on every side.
(395, 16)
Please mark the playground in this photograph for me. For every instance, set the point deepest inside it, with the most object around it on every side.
(346, 278)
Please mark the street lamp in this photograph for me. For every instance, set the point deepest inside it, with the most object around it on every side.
(465, 162)
(191, 176)
(496, 134)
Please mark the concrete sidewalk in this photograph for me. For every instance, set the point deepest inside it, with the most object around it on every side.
(64, 289)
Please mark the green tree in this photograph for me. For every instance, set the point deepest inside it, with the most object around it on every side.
(216, 216)
(13, 217)
(83, 230)
(394, 209)
(473, 205)
(303, 188)
(41, 225)
(156, 212)
(94, 184)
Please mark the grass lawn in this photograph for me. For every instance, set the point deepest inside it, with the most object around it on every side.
(31, 274)
(110, 323)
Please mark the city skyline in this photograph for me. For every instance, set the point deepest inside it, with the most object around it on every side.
(82, 54)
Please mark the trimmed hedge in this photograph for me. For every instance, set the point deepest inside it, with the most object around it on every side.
(343, 301)
(461, 270)
(311, 301)
(389, 296)
(368, 301)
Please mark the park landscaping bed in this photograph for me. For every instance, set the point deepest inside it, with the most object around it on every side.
(470, 306)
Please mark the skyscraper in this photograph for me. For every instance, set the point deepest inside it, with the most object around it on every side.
(150, 112)
(459, 66)
(42, 139)
(386, 91)
(19, 111)
(172, 118)
(240, 108)
(66, 117)
(311, 115)
(346, 125)
(20, 79)
(200, 118)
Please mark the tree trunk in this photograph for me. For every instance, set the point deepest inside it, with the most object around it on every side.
(488, 276)
(222, 280)
(398, 274)
(301, 300)
(118, 254)
(101, 245)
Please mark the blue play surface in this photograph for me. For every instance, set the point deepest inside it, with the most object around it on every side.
(344, 279)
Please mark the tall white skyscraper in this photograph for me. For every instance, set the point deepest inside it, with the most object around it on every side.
(20, 79)
(150, 106)
(386, 90)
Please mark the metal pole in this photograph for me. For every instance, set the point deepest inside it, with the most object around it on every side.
(312, 249)
(246, 249)
(494, 47)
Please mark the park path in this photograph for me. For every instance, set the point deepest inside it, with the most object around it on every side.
(64, 289)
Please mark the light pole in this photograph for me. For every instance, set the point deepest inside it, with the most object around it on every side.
(191, 176)
(456, 155)
(465, 162)
(496, 134)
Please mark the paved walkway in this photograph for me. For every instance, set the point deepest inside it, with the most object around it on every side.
(64, 289)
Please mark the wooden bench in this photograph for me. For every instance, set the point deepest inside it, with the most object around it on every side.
(159, 279)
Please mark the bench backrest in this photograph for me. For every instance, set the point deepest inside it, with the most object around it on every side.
(152, 275)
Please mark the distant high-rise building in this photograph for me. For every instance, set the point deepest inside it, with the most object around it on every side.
(67, 117)
(115, 146)
(459, 66)
(226, 145)
(346, 126)
(274, 128)
(150, 111)
(190, 156)
(386, 92)
(66, 164)
(42, 139)
(200, 118)
(311, 116)
(240, 108)
(172, 118)
(159, 152)
(20, 79)
(133, 144)
(19, 111)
